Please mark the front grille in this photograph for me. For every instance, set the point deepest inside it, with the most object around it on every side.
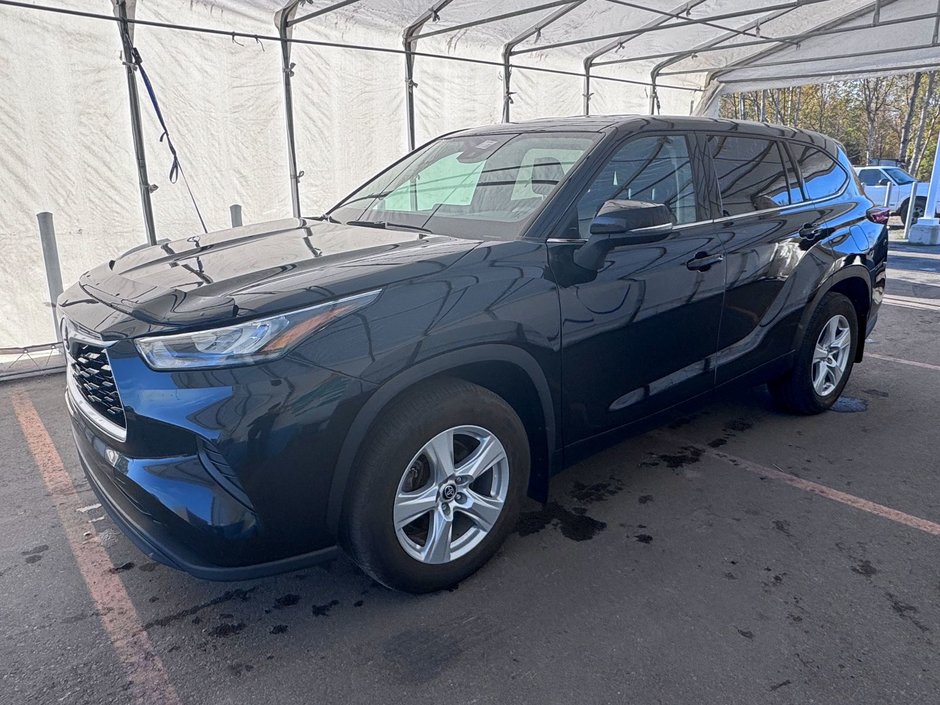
(91, 371)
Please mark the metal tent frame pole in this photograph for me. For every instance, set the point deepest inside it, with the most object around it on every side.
(764, 11)
(510, 46)
(715, 88)
(622, 40)
(126, 29)
(711, 43)
(282, 19)
(410, 42)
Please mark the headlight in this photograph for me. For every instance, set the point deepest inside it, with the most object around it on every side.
(244, 343)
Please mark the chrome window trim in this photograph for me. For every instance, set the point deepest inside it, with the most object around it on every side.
(715, 221)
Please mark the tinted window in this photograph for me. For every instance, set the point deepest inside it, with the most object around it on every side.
(751, 174)
(653, 169)
(822, 176)
(870, 177)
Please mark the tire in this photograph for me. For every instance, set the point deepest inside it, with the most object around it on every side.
(397, 470)
(798, 391)
(919, 208)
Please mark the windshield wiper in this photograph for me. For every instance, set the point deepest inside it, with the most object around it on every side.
(385, 225)
(325, 217)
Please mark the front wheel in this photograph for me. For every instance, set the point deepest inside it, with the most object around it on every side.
(824, 360)
(437, 487)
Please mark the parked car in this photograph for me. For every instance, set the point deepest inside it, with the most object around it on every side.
(394, 376)
(877, 179)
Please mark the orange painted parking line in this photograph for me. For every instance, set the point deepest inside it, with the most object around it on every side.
(835, 495)
(902, 361)
(149, 682)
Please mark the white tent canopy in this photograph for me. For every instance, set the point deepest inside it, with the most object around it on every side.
(254, 94)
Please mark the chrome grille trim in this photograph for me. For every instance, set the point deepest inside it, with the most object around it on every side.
(92, 389)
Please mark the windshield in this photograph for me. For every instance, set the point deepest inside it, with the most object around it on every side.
(899, 175)
(468, 186)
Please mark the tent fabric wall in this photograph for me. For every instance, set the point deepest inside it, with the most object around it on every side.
(65, 141)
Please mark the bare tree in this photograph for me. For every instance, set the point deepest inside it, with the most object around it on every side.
(905, 138)
(875, 92)
(925, 109)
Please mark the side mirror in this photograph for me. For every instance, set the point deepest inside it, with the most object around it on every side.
(884, 182)
(623, 223)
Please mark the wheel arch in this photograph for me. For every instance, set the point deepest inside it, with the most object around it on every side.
(854, 282)
(506, 370)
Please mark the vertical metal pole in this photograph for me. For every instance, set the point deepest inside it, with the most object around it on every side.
(911, 207)
(587, 86)
(50, 258)
(410, 43)
(934, 191)
(137, 133)
(236, 212)
(410, 91)
(887, 202)
(507, 77)
(287, 69)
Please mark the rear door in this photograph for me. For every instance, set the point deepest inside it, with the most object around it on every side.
(641, 334)
(770, 220)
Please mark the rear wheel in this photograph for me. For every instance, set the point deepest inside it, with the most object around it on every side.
(437, 487)
(824, 360)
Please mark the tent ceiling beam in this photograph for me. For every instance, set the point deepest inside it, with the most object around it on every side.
(494, 18)
(808, 35)
(682, 16)
(683, 23)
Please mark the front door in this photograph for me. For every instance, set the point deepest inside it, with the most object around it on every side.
(642, 334)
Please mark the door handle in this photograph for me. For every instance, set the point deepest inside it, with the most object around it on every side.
(703, 261)
(810, 231)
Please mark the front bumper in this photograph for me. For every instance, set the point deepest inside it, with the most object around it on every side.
(173, 514)
(184, 506)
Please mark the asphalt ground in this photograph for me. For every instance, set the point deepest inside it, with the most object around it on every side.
(736, 555)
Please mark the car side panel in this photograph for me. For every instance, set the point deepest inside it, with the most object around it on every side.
(773, 272)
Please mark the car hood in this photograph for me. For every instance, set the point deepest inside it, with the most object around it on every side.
(264, 268)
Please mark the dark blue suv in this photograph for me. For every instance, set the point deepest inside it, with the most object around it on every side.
(392, 377)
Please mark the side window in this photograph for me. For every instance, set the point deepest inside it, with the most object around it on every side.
(870, 177)
(654, 169)
(822, 176)
(751, 174)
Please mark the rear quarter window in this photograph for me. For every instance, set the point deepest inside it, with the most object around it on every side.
(823, 177)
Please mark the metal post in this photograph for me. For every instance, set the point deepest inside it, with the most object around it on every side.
(410, 92)
(146, 188)
(927, 231)
(534, 30)
(282, 20)
(934, 191)
(887, 203)
(236, 212)
(507, 77)
(911, 207)
(587, 86)
(50, 258)
(410, 41)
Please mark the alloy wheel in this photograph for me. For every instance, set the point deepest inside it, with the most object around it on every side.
(451, 494)
(831, 355)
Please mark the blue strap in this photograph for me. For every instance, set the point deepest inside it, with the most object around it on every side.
(176, 169)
